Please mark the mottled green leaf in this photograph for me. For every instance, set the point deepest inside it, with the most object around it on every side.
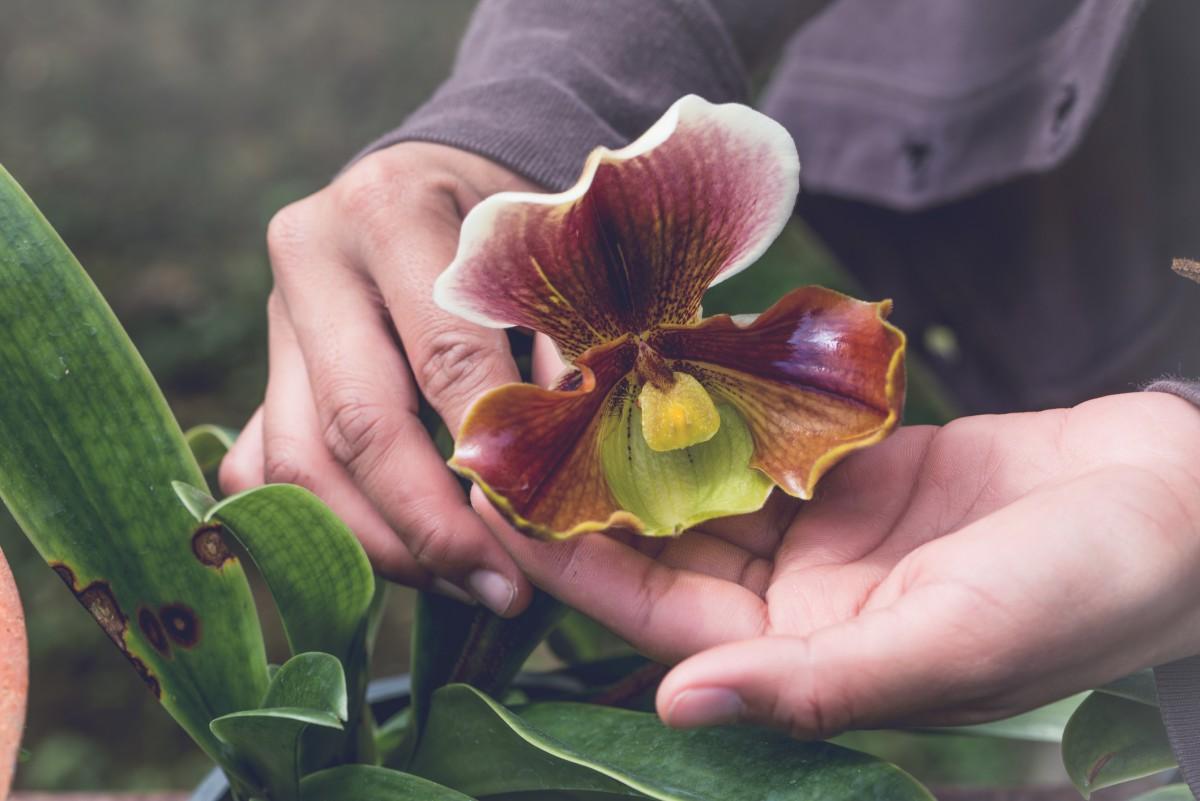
(370, 783)
(209, 444)
(480, 748)
(1110, 740)
(88, 451)
(317, 572)
(309, 690)
(268, 740)
(310, 681)
(315, 567)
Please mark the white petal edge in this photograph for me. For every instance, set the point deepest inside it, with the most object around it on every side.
(745, 121)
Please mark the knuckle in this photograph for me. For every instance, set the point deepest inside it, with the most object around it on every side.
(365, 187)
(276, 308)
(372, 192)
(454, 367)
(282, 464)
(355, 431)
(428, 539)
(288, 233)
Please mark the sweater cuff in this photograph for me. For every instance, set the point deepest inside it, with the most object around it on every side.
(539, 84)
(1179, 682)
(1188, 390)
(1178, 685)
(538, 130)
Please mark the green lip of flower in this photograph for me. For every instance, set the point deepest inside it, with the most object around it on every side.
(666, 420)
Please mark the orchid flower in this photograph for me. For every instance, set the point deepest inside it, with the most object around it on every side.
(664, 419)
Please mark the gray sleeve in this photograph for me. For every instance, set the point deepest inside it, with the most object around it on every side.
(1179, 682)
(537, 84)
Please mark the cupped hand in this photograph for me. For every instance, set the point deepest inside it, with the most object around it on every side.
(355, 340)
(947, 576)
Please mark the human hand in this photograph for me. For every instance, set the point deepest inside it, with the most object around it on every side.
(354, 335)
(947, 576)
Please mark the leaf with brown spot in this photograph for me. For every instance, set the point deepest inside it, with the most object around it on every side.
(88, 450)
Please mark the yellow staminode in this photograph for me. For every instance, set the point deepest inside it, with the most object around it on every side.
(679, 416)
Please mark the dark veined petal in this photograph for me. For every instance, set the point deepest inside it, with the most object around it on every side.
(535, 452)
(815, 377)
(638, 239)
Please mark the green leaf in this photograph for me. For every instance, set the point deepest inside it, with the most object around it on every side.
(209, 444)
(315, 567)
(88, 451)
(317, 572)
(671, 491)
(1110, 740)
(1138, 687)
(268, 740)
(453, 642)
(1171, 792)
(311, 681)
(307, 690)
(480, 748)
(578, 638)
(369, 783)
(1042, 725)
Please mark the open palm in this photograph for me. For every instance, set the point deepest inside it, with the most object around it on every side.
(949, 575)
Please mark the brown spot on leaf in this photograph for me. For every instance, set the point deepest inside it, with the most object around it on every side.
(209, 546)
(1098, 766)
(98, 599)
(153, 630)
(100, 602)
(65, 573)
(146, 675)
(181, 623)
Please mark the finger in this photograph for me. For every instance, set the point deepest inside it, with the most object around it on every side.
(758, 532)
(367, 410)
(871, 671)
(942, 641)
(548, 363)
(293, 453)
(452, 360)
(242, 467)
(665, 612)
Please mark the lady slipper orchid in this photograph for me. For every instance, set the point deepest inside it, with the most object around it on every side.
(665, 419)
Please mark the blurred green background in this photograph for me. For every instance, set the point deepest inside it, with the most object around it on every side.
(159, 137)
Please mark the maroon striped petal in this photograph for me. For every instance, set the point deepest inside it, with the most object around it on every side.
(535, 452)
(638, 239)
(815, 377)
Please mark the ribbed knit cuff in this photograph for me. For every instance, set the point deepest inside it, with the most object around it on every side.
(538, 130)
(538, 84)
(1179, 682)
(1179, 702)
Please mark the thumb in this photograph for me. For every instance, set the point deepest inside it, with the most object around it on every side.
(871, 671)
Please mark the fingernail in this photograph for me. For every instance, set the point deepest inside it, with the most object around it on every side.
(709, 706)
(443, 587)
(492, 590)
